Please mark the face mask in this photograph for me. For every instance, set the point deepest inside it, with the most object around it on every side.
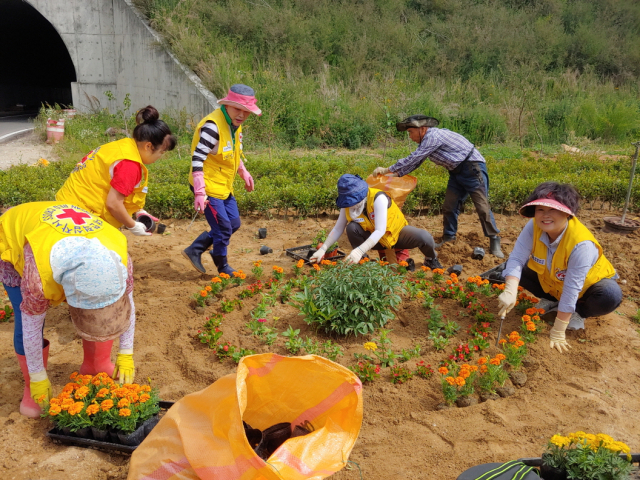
(357, 209)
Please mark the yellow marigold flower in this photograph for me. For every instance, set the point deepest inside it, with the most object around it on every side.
(93, 409)
(216, 280)
(124, 412)
(560, 441)
(224, 275)
(123, 403)
(371, 346)
(54, 410)
(450, 380)
(106, 405)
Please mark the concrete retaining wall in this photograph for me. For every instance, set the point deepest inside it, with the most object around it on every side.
(114, 49)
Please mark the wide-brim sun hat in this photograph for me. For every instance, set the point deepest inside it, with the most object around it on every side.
(94, 282)
(352, 189)
(416, 121)
(529, 210)
(243, 97)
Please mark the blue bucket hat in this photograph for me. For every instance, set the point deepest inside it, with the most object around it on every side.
(352, 189)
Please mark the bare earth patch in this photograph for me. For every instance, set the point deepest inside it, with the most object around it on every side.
(27, 149)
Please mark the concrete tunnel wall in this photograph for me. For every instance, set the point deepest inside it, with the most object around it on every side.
(114, 49)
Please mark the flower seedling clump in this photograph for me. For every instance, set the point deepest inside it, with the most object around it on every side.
(400, 374)
(514, 349)
(366, 371)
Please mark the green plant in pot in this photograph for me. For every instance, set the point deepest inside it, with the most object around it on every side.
(585, 456)
(319, 240)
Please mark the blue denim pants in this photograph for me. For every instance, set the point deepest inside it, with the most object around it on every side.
(468, 179)
(224, 220)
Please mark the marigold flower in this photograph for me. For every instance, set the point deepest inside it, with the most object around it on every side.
(464, 373)
(145, 388)
(371, 346)
(203, 293)
(257, 263)
(484, 369)
(93, 409)
(277, 269)
(66, 403)
(144, 397)
(519, 343)
(54, 410)
(501, 356)
(531, 326)
(73, 375)
(494, 361)
(224, 275)
(208, 288)
(124, 412)
(55, 401)
(403, 264)
(76, 408)
(300, 263)
(106, 405)
(325, 262)
(216, 280)
(443, 370)
(450, 380)
(502, 341)
(316, 267)
(449, 282)
(482, 360)
(460, 381)
(123, 403)
(474, 368)
(526, 318)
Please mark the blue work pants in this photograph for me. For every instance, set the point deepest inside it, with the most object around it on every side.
(224, 220)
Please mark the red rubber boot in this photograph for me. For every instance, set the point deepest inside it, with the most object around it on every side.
(400, 255)
(97, 358)
(28, 407)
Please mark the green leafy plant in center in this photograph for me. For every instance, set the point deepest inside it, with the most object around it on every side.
(351, 299)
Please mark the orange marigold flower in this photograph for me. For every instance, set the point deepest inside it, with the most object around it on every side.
(208, 288)
(530, 311)
(316, 267)
(460, 381)
(474, 368)
(450, 380)
(519, 343)
(520, 289)
(325, 262)
(144, 397)
(531, 326)
(103, 392)
(425, 269)
(482, 360)
(502, 341)
(93, 409)
(257, 263)
(66, 403)
(300, 263)
(81, 393)
(494, 361)
(216, 280)
(224, 275)
(443, 370)
(73, 375)
(403, 263)
(145, 388)
(464, 373)
(449, 282)
(55, 401)
(484, 369)
(54, 410)
(203, 293)
(123, 403)
(535, 318)
(106, 405)
(501, 356)
(119, 392)
(64, 395)
(277, 269)
(526, 318)
(76, 408)
(86, 379)
(124, 412)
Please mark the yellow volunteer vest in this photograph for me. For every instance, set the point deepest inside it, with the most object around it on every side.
(395, 219)
(90, 181)
(43, 224)
(552, 281)
(220, 169)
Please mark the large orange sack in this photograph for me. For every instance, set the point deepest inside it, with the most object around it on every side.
(202, 435)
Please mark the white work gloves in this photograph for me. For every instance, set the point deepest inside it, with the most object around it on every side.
(139, 229)
(355, 256)
(557, 336)
(381, 171)
(507, 299)
(317, 257)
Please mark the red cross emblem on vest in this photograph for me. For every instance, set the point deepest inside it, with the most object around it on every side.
(75, 216)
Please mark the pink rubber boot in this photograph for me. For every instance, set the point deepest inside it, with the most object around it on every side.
(28, 407)
(97, 358)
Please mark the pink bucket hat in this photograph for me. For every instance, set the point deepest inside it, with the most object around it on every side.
(242, 97)
(528, 211)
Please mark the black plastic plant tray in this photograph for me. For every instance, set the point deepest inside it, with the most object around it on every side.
(58, 437)
(301, 253)
(497, 269)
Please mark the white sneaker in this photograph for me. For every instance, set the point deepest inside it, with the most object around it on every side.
(547, 305)
(576, 322)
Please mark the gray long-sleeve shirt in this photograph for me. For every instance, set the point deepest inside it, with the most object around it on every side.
(582, 258)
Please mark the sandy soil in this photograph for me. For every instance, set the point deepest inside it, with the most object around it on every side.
(28, 149)
(595, 387)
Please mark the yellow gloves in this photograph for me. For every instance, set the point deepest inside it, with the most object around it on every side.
(507, 299)
(40, 387)
(557, 336)
(125, 369)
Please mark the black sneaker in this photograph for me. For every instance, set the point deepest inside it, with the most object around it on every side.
(432, 263)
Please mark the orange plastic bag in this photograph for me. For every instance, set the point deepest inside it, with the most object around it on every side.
(202, 436)
(398, 188)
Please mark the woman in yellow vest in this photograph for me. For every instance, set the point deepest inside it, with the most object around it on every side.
(374, 221)
(216, 152)
(559, 260)
(53, 252)
(111, 181)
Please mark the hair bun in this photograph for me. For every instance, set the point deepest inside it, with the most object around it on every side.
(147, 114)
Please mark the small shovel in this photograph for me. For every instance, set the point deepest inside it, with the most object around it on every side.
(500, 329)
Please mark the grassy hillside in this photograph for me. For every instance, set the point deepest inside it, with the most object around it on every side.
(340, 73)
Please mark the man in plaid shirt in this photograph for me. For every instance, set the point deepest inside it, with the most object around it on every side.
(467, 174)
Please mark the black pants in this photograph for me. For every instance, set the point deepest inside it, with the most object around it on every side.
(410, 237)
(600, 298)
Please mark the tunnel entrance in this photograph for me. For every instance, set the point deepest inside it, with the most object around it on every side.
(35, 65)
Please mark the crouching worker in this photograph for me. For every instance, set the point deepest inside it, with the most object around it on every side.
(52, 252)
(374, 221)
(559, 260)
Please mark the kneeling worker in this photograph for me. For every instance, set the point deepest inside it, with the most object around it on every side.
(52, 252)
(374, 221)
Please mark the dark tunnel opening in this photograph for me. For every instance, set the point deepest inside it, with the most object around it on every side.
(35, 65)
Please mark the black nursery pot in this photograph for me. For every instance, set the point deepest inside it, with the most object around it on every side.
(83, 432)
(264, 250)
(67, 431)
(149, 423)
(161, 228)
(113, 436)
(262, 233)
(132, 439)
(101, 435)
(148, 222)
(551, 473)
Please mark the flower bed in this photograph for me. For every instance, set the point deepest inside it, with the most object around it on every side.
(346, 302)
(99, 408)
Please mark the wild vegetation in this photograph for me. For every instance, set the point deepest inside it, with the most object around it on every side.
(340, 73)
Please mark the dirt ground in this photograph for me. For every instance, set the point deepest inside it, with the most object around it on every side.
(594, 388)
(26, 149)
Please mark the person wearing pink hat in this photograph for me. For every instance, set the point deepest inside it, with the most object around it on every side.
(559, 260)
(216, 157)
